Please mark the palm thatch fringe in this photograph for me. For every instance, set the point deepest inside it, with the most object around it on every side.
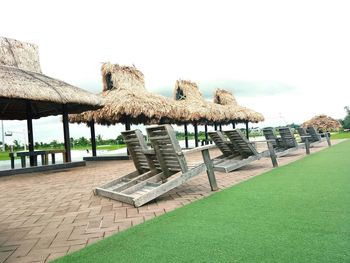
(21, 79)
(236, 112)
(323, 123)
(189, 100)
(127, 100)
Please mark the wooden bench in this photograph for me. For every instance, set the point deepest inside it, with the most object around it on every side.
(43, 154)
(23, 156)
(53, 156)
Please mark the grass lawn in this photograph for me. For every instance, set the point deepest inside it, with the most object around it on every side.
(101, 147)
(340, 135)
(5, 155)
(296, 213)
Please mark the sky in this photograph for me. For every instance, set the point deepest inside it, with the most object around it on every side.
(289, 60)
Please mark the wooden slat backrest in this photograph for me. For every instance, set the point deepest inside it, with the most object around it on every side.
(168, 151)
(302, 132)
(288, 137)
(270, 135)
(315, 136)
(222, 143)
(241, 143)
(136, 143)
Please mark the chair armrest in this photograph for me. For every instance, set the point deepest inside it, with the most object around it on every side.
(271, 140)
(149, 152)
(201, 148)
(306, 136)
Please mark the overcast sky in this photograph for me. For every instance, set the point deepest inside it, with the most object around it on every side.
(289, 60)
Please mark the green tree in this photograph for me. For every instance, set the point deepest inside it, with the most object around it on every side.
(120, 139)
(16, 144)
(99, 139)
(82, 141)
(54, 144)
(346, 121)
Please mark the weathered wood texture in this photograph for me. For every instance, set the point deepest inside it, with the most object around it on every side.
(158, 170)
(226, 147)
(318, 137)
(269, 134)
(238, 151)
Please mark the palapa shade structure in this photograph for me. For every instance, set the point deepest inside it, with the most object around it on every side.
(28, 94)
(126, 100)
(196, 109)
(21, 80)
(323, 123)
(237, 113)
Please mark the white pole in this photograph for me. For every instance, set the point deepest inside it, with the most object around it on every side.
(3, 136)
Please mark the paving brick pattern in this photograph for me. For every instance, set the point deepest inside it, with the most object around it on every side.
(47, 215)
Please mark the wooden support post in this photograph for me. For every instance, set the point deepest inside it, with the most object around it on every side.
(210, 170)
(195, 126)
(93, 138)
(206, 134)
(23, 161)
(66, 136)
(233, 125)
(12, 157)
(186, 135)
(272, 154)
(127, 128)
(307, 145)
(43, 160)
(328, 139)
(127, 124)
(30, 132)
(220, 127)
(215, 127)
(247, 129)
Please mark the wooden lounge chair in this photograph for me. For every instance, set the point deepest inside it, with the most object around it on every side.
(318, 137)
(146, 167)
(224, 145)
(289, 141)
(246, 150)
(303, 134)
(269, 134)
(169, 168)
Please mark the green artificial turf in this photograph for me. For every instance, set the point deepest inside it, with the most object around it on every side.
(296, 213)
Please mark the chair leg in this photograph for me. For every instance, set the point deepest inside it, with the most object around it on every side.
(272, 154)
(307, 146)
(210, 170)
(328, 139)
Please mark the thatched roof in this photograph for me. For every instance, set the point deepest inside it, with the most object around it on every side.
(323, 123)
(21, 80)
(196, 109)
(126, 99)
(236, 112)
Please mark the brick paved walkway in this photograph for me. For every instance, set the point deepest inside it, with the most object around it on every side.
(47, 215)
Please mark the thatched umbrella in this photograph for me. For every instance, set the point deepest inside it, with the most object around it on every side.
(323, 123)
(28, 94)
(197, 110)
(127, 101)
(237, 113)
